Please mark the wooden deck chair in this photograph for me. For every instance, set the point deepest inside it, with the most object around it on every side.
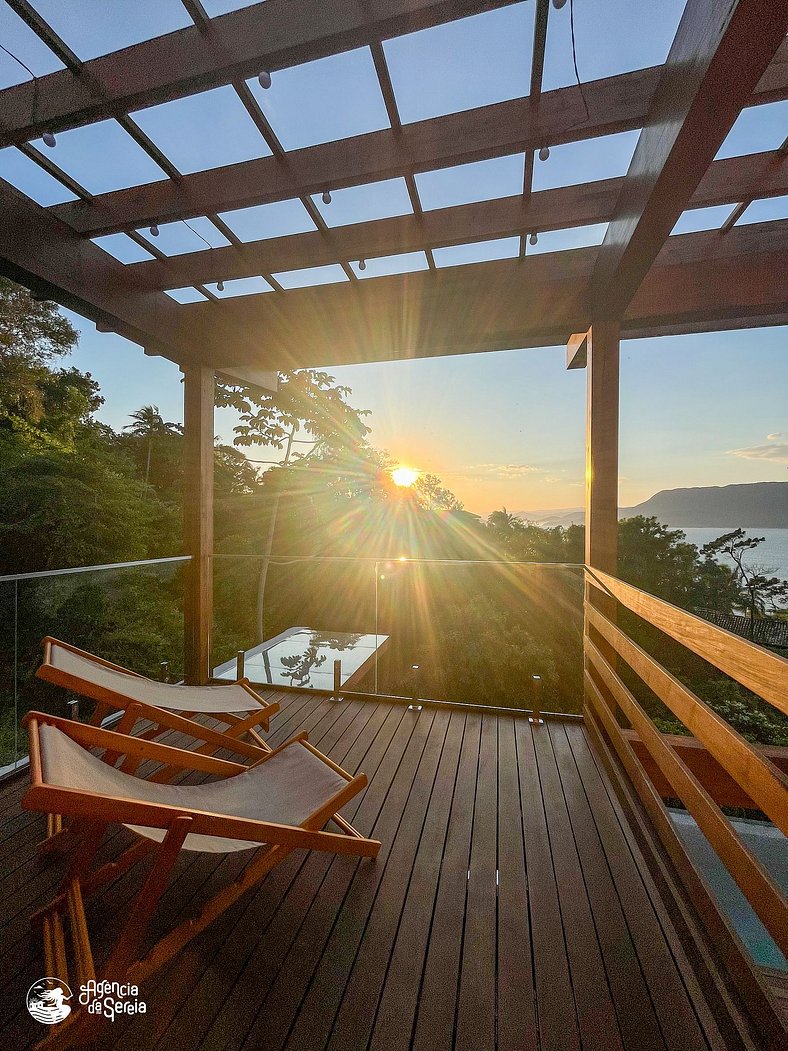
(279, 804)
(235, 705)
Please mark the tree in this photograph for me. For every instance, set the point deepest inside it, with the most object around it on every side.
(309, 403)
(149, 426)
(758, 594)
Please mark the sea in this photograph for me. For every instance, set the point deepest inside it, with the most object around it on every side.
(772, 554)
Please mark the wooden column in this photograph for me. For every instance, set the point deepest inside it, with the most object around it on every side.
(601, 531)
(198, 402)
(602, 447)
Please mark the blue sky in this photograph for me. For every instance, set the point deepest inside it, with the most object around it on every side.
(504, 428)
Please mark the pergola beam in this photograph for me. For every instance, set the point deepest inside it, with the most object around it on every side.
(720, 52)
(727, 181)
(269, 36)
(703, 281)
(48, 257)
(619, 103)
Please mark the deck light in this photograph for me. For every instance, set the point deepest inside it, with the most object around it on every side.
(533, 238)
(558, 4)
(154, 231)
(544, 153)
(362, 264)
(220, 286)
(49, 139)
(264, 79)
(326, 198)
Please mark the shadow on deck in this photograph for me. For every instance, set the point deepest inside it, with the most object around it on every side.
(510, 908)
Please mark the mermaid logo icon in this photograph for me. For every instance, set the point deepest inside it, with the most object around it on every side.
(46, 1000)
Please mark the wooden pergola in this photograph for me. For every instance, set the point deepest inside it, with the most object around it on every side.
(638, 282)
(641, 281)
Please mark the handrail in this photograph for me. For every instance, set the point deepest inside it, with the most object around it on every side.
(759, 779)
(765, 784)
(40, 574)
(752, 878)
(758, 669)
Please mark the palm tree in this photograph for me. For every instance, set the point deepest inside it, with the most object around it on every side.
(148, 424)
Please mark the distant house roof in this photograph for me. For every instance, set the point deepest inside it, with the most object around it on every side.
(766, 631)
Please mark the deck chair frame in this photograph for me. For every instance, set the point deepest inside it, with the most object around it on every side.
(95, 813)
(107, 700)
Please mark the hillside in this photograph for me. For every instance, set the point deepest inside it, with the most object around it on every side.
(762, 505)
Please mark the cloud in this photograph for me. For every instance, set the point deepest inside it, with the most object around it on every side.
(776, 451)
(498, 470)
(774, 437)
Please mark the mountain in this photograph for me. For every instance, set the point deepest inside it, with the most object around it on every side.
(759, 505)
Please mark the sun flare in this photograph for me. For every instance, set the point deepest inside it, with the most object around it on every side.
(404, 476)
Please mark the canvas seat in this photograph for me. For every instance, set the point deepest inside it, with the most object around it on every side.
(111, 686)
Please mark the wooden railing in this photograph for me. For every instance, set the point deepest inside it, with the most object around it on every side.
(761, 780)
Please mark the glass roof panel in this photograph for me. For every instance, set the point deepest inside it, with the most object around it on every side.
(612, 36)
(177, 239)
(470, 62)
(186, 295)
(103, 157)
(20, 39)
(562, 240)
(466, 183)
(91, 29)
(321, 101)
(262, 221)
(765, 210)
(588, 160)
(479, 252)
(385, 266)
(330, 274)
(208, 130)
(757, 129)
(365, 203)
(696, 219)
(122, 248)
(33, 181)
(242, 286)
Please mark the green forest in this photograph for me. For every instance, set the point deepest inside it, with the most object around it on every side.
(318, 535)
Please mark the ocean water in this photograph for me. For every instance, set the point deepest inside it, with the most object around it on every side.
(772, 554)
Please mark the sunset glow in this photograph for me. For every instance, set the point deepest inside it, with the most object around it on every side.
(404, 476)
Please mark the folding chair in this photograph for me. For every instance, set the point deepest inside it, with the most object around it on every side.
(111, 686)
(277, 805)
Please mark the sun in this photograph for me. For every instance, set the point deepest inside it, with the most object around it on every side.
(404, 476)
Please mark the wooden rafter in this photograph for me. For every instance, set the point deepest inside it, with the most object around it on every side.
(269, 36)
(727, 181)
(541, 15)
(507, 304)
(619, 103)
(720, 52)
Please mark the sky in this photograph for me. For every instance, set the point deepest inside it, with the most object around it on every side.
(501, 429)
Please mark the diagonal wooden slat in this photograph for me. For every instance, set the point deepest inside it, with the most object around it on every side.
(720, 52)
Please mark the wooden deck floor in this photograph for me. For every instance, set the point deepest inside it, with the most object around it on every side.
(509, 909)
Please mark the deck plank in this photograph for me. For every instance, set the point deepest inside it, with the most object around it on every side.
(571, 947)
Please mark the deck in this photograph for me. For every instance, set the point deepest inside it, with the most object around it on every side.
(510, 908)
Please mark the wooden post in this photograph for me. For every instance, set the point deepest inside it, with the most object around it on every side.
(601, 529)
(198, 401)
(602, 447)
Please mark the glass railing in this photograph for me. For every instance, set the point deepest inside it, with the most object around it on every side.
(503, 634)
(129, 613)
